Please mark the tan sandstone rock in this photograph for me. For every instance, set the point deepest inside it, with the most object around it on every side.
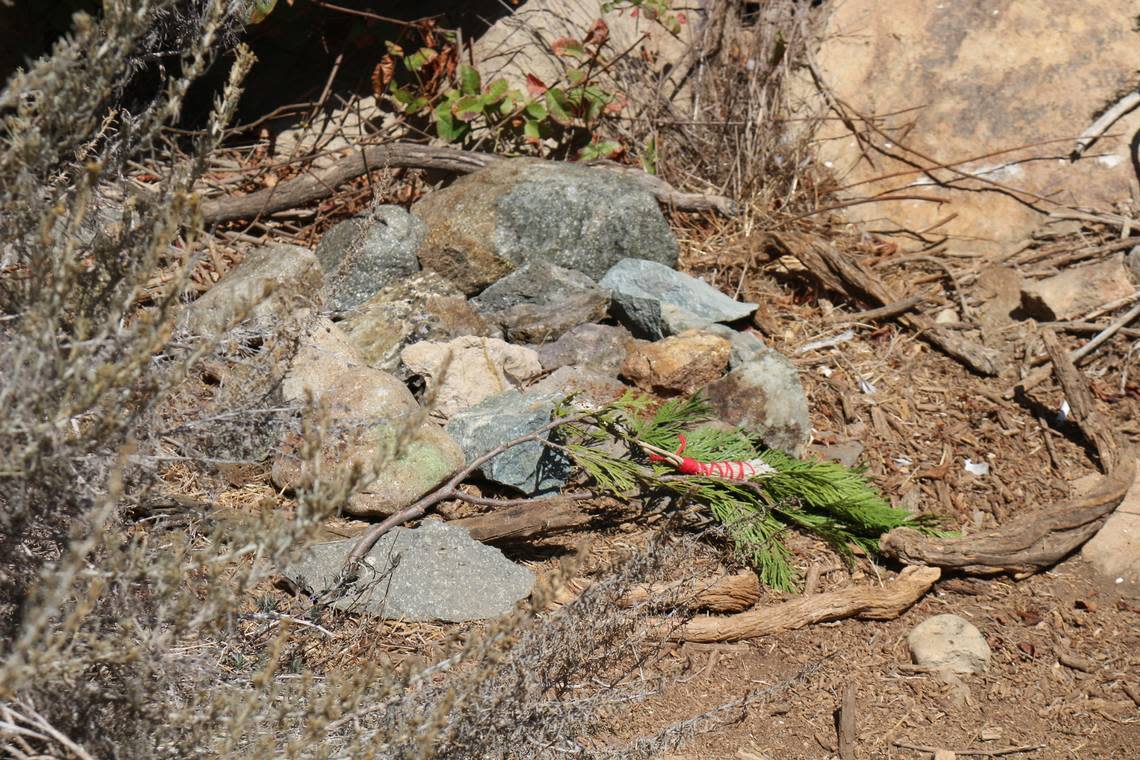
(998, 90)
(677, 364)
(462, 372)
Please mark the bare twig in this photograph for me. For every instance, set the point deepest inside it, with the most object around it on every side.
(884, 603)
(845, 724)
(883, 312)
(1035, 378)
(941, 265)
(449, 489)
(1107, 119)
(40, 729)
(998, 752)
(319, 185)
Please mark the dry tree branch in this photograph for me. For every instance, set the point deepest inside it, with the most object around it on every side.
(870, 603)
(449, 489)
(308, 188)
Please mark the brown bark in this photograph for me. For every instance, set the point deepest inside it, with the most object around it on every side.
(525, 522)
(319, 185)
(869, 603)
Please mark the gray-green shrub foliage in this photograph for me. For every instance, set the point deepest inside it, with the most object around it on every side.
(124, 641)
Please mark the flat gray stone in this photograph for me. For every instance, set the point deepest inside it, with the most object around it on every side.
(764, 396)
(434, 572)
(539, 302)
(530, 467)
(655, 301)
(948, 642)
(538, 282)
(361, 255)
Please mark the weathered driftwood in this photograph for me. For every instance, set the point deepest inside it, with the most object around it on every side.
(319, 185)
(868, 603)
(844, 274)
(525, 522)
(1039, 539)
(1026, 544)
(730, 593)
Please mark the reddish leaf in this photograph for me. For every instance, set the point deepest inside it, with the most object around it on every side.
(616, 104)
(382, 74)
(598, 34)
(535, 86)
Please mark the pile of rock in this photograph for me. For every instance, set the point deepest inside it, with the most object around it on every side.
(495, 298)
(500, 294)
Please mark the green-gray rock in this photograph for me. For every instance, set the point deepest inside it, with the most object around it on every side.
(361, 255)
(492, 221)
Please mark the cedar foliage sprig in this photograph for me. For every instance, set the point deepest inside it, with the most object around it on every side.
(834, 502)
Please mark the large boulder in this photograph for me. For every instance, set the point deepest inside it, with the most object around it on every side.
(493, 221)
(361, 255)
(508, 50)
(997, 91)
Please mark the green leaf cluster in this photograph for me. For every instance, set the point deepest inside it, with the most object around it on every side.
(568, 112)
(834, 502)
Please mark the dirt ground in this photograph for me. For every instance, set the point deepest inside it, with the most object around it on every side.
(1065, 643)
(1064, 681)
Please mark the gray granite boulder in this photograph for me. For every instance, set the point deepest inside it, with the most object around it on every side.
(361, 255)
(530, 467)
(423, 306)
(539, 302)
(655, 301)
(433, 572)
(495, 220)
(764, 396)
(602, 348)
(269, 284)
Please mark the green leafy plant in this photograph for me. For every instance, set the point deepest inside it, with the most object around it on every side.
(827, 499)
(562, 115)
(660, 11)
